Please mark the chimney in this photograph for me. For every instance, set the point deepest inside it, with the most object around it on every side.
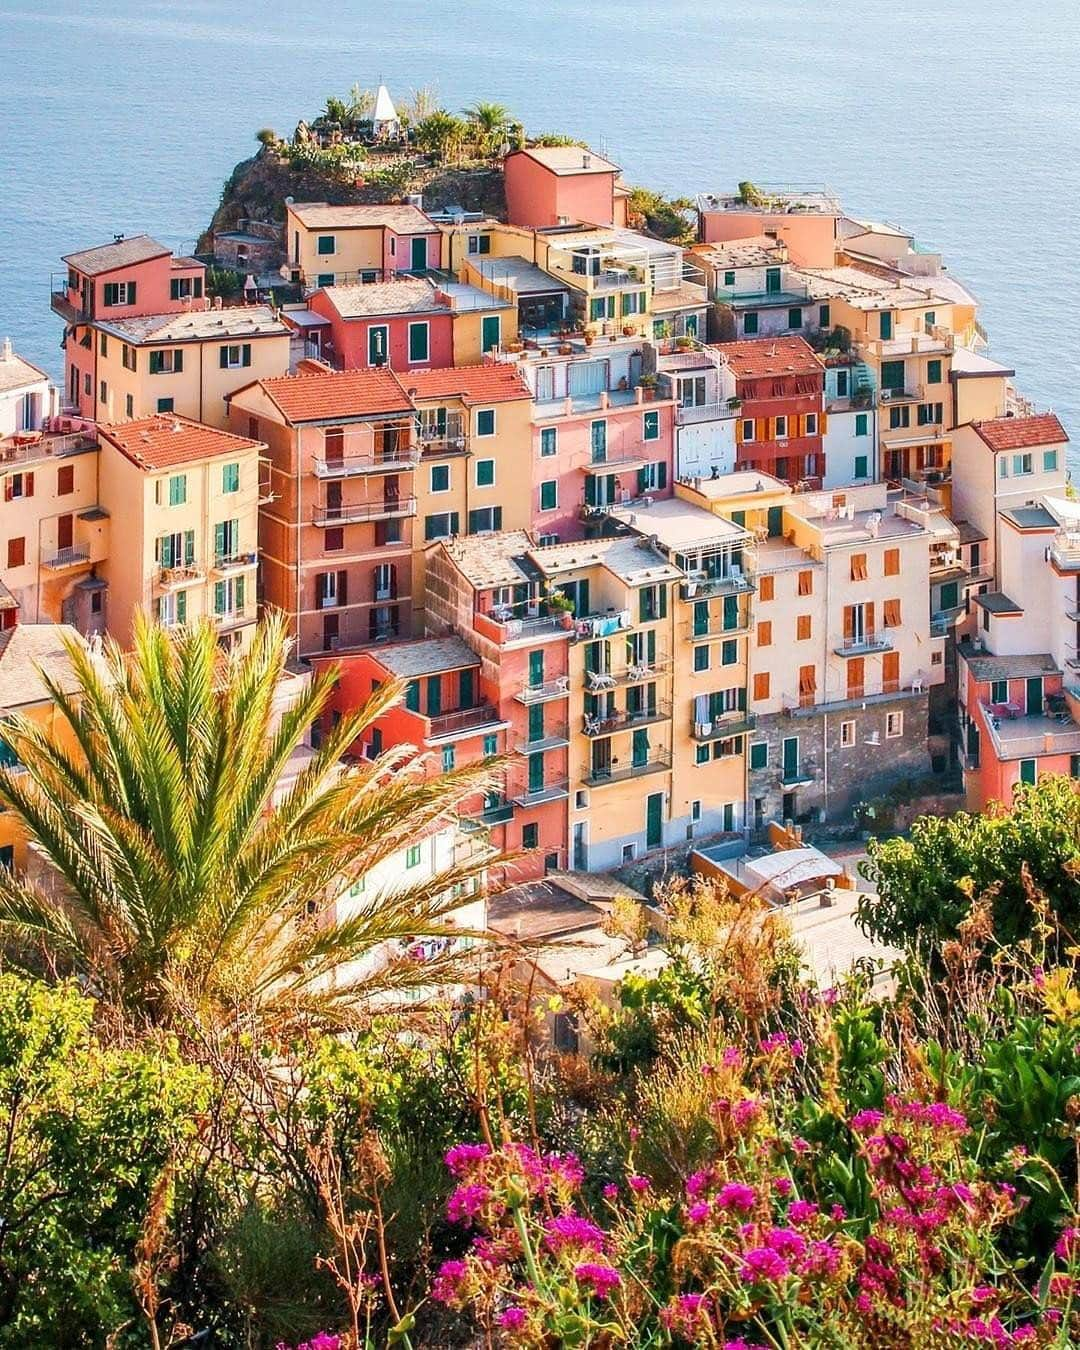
(5, 352)
(586, 161)
(217, 302)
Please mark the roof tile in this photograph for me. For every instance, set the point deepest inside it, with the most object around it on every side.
(1018, 433)
(323, 396)
(400, 217)
(167, 440)
(123, 253)
(770, 356)
(498, 382)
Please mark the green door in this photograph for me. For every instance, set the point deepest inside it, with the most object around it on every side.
(536, 669)
(418, 254)
(490, 331)
(776, 522)
(950, 595)
(791, 757)
(701, 617)
(772, 280)
(1034, 697)
(466, 689)
(639, 755)
(731, 611)
(536, 772)
(434, 696)
(536, 722)
(654, 820)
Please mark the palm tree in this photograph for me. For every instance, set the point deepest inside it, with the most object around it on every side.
(440, 134)
(489, 121)
(197, 844)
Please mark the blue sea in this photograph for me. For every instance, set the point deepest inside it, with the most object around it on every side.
(960, 120)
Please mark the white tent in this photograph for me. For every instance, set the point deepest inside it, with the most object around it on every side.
(385, 120)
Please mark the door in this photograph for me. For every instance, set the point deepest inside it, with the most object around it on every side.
(639, 755)
(466, 689)
(701, 617)
(64, 535)
(731, 612)
(418, 254)
(1034, 696)
(490, 332)
(377, 345)
(950, 595)
(654, 820)
(772, 280)
(776, 522)
(536, 772)
(536, 722)
(791, 758)
(581, 847)
(601, 759)
(536, 669)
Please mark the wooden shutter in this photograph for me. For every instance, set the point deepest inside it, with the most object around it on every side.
(807, 680)
(764, 633)
(761, 687)
(892, 562)
(892, 614)
(802, 627)
(856, 675)
(343, 588)
(890, 671)
(870, 618)
(28, 485)
(223, 358)
(849, 621)
(761, 428)
(822, 423)
(766, 587)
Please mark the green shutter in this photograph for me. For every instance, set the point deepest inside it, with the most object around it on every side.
(455, 523)
(412, 696)
(219, 597)
(178, 361)
(731, 611)
(223, 358)
(490, 332)
(643, 606)
(759, 755)
(219, 540)
(662, 595)
(933, 372)
(238, 592)
(496, 517)
(536, 722)
(536, 668)
(181, 607)
(474, 522)
(246, 354)
(189, 547)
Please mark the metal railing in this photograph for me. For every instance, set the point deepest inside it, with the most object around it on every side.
(236, 562)
(400, 460)
(864, 643)
(624, 720)
(72, 556)
(170, 578)
(543, 693)
(463, 719)
(598, 776)
(351, 513)
(551, 790)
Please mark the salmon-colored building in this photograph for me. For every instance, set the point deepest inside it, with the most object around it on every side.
(806, 220)
(400, 324)
(780, 385)
(549, 185)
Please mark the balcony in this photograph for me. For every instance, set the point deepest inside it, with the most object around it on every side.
(596, 681)
(1065, 550)
(554, 738)
(911, 393)
(510, 630)
(233, 619)
(721, 729)
(176, 578)
(438, 441)
(1019, 736)
(657, 762)
(235, 562)
(498, 813)
(402, 460)
(352, 513)
(606, 624)
(463, 722)
(552, 791)
(854, 698)
(61, 303)
(798, 775)
(864, 644)
(705, 412)
(625, 720)
(716, 628)
(544, 693)
(621, 464)
(733, 582)
(59, 559)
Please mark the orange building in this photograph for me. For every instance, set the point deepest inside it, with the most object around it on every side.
(550, 185)
(780, 384)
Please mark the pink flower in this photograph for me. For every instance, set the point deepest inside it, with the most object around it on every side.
(466, 1203)
(1068, 1244)
(638, 1183)
(698, 1212)
(799, 1146)
(461, 1157)
(865, 1121)
(732, 1058)
(787, 1243)
(685, 1315)
(783, 1185)
(697, 1183)
(571, 1230)
(447, 1285)
(602, 1278)
(761, 1265)
(801, 1211)
(830, 996)
(838, 1213)
(611, 1191)
(735, 1195)
(746, 1112)
(513, 1319)
(565, 1168)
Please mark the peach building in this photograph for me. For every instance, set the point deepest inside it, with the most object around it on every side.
(183, 503)
(549, 185)
(805, 220)
(338, 531)
(350, 245)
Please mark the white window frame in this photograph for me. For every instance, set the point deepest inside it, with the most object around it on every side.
(476, 478)
(424, 360)
(894, 720)
(847, 734)
(238, 348)
(1023, 464)
(553, 432)
(483, 435)
(781, 421)
(448, 535)
(748, 422)
(811, 424)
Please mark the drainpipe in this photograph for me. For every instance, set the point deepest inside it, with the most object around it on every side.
(299, 537)
(202, 356)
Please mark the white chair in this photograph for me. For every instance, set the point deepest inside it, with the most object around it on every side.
(917, 684)
(562, 684)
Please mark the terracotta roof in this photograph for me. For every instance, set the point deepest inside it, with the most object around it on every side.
(569, 160)
(495, 383)
(165, 440)
(27, 651)
(1019, 433)
(401, 218)
(108, 257)
(384, 297)
(327, 396)
(770, 356)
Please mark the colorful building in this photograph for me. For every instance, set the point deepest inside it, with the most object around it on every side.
(805, 220)
(354, 245)
(183, 510)
(549, 185)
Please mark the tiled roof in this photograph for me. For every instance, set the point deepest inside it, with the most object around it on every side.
(201, 325)
(565, 160)
(1019, 433)
(27, 649)
(383, 297)
(498, 382)
(326, 396)
(985, 667)
(427, 656)
(15, 373)
(492, 559)
(540, 909)
(770, 356)
(166, 440)
(756, 252)
(108, 257)
(401, 218)
(631, 559)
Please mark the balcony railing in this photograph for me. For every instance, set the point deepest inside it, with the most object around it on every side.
(551, 791)
(635, 672)
(59, 558)
(236, 562)
(717, 628)
(511, 629)
(554, 738)
(401, 460)
(735, 582)
(624, 720)
(719, 729)
(235, 618)
(351, 513)
(544, 693)
(175, 578)
(657, 762)
(705, 412)
(463, 720)
(1065, 549)
(911, 393)
(862, 644)
(498, 813)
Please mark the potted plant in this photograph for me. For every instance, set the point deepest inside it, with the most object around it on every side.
(648, 387)
(628, 330)
(734, 403)
(684, 343)
(560, 605)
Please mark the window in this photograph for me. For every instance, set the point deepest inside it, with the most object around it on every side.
(16, 552)
(824, 318)
(412, 856)
(861, 467)
(701, 658)
(1050, 461)
(325, 279)
(185, 288)
(886, 325)
(129, 405)
(333, 540)
(602, 307)
(324, 245)
(65, 480)
(530, 835)
(598, 441)
(1028, 769)
(441, 526)
(759, 755)
(806, 583)
(178, 489)
(749, 324)
(810, 425)
(892, 376)
(764, 633)
(103, 345)
(729, 652)
(103, 393)
(419, 344)
(230, 478)
(761, 687)
(491, 745)
(930, 414)
(899, 417)
(549, 495)
(547, 540)
(729, 278)
(633, 302)
(847, 734)
(701, 754)
(166, 405)
(119, 293)
(894, 725)
(747, 429)
(858, 567)
(780, 430)
(128, 357)
(485, 422)
(933, 370)
(999, 691)
(773, 277)
(226, 539)
(803, 626)
(862, 424)
(19, 485)
(167, 363)
(479, 243)
(892, 562)
(88, 384)
(650, 426)
(234, 355)
(485, 473)
(807, 683)
(794, 318)
(1003, 466)
(448, 759)
(549, 441)
(766, 587)
(486, 520)
(1021, 464)
(891, 614)
(440, 478)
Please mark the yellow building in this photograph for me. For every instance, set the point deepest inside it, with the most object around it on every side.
(346, 245)
(184, 503)
(27, 652)
(185, 363)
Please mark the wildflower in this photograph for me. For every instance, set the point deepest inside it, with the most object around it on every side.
(838, 1213)
(746, 1112)
(638, 1183)
(466, 1203)
(865, 1121)
(983, 1294)
(696, 1183)
(513, 1319)
(610, 1191)
(830, 996)
(762, 1265)
(799, 1146)
(699, 1212)
(565, 1168)
(801, 1211)
(1062, 1286)
(461, 1157)
(736, 1195)
(732, 1058)
(786, 1243)
(1068, 1244)
(686, 1314)
(783, 1185)
(602, 1278)
(447, 1287)
(571, 1230)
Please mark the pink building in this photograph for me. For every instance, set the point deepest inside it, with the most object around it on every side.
(561, 184)
(595, 452)
(127, 279)
(806, 220)
(406, 325)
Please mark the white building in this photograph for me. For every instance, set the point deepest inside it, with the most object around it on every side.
(705, 412)
(26, 396)
(850, 437)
